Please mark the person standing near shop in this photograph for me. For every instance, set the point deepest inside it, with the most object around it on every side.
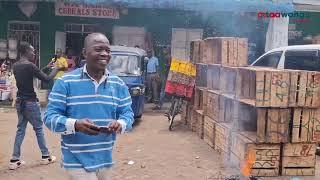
(27, 105)
(164, 76)
(88, 107)
(153, 77)
(60, 62)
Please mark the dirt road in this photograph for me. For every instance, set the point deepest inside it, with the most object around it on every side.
(157, 153)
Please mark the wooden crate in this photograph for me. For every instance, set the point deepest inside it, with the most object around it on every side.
(273, 125)
(213, 99)
(201, 75)
(181, 78)
(213, 77)
(209, 54)
(228, 77)
(304, 89)
(223, 137)
(263, 87)
(305, 125)
(195, 51)
(244, 117)
(226, 109)
(200, 95)
(228, 51)
(209, 131)
(265, 157)
(202, 57)
(200, 125)
(298, 159)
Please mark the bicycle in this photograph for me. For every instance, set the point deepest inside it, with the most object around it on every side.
(175, 109)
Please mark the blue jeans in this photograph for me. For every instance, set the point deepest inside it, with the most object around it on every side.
(29, 111)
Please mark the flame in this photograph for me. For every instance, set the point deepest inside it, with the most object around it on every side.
(247, 166)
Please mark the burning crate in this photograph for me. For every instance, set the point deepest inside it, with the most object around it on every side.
(254, 159)
(298, 159)
(209, 131)
(305, 125)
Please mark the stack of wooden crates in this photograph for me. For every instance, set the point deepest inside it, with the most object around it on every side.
(267, 114)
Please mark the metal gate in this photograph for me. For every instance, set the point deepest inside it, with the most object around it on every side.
(26, 31)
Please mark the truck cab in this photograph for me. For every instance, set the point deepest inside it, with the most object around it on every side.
(128, 64)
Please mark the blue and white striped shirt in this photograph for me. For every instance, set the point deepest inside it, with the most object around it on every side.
(77, 96)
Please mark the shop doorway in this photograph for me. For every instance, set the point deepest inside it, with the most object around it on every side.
(75, 35)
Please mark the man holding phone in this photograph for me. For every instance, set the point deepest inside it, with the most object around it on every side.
(88, 107)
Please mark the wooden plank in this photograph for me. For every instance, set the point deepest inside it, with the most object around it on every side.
(209, 131)
(261, 124)
(230, 52)
(298, 158)
(298, 171)
(279, 89)
(202, 47)
(224, 51)
(223, 137)
(316, 125)
(296, 125)
(260, 88)
(316, 89)
(299, 155)
(310, 91)
(267, 89)
(242, 52)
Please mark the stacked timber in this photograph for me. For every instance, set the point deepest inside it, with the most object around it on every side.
(263, 120)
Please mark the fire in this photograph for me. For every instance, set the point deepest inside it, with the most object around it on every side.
(247, 166)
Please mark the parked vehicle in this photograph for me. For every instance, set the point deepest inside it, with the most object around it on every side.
(128, 64)
(300, 57)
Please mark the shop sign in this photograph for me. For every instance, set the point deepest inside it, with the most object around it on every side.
(85, 10)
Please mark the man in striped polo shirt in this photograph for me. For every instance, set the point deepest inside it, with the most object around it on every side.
(88, 106)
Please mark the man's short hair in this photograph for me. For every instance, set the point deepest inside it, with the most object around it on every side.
(90, 36)
(24, 47)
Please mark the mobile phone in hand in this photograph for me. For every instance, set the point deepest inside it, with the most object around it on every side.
(105, 130)
(95, 128)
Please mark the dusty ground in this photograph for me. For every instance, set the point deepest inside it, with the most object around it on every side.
(158, 154)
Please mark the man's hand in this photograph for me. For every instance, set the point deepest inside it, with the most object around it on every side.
(115, 126)
(86, 126)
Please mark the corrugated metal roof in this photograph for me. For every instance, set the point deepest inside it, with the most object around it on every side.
(202, 5)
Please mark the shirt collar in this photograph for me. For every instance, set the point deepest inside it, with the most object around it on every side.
(104, 77)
